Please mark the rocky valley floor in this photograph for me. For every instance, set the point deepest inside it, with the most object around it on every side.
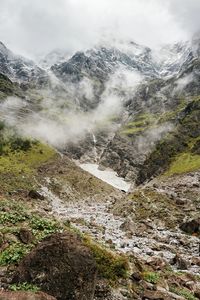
(142, 225)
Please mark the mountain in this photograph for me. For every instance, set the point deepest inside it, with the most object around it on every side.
(130, 116)
(18, 68)
(100, 62)
(57, 56)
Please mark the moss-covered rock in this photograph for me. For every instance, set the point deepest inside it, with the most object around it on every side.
(62, 266)
(110, 266)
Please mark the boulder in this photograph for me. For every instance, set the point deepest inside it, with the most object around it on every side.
(191, 227)
(35, 195)
(128, 226)
(157, 263)
(61, 266)
(180, 262)
(24, 296)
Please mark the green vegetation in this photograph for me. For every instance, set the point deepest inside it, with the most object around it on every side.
(8, 88)
(184, 293)
(15, 215)
(110, 265)
(14, 253)
(140, 123)
(12, 213)
(172, 114)
(183, 163)
(43, 227)
(19, 161)
(175, 147)
(13, 218)
(151, 277)
(24, 287)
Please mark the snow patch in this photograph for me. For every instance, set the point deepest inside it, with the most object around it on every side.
(107, 175)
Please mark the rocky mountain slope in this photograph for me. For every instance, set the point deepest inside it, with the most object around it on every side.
(18, 68)
(101, 242)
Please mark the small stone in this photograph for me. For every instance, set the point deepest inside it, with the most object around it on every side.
(157, 262)
(136, 276)
(35, 195)
(181, 263)
(192, 226)
(26, 235)
(180, 201)
(110, 242)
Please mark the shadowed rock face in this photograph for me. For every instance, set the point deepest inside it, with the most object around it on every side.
(25, 296)
(191, 227)
(62, 266)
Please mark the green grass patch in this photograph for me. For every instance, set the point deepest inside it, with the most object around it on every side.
(151, 277)
(172, 114)
(12, 213)
(140, 123)
(11, 218)
(18, 166)
(184, 163)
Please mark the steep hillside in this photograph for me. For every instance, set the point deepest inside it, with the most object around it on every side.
(178, 152)
(8, 88)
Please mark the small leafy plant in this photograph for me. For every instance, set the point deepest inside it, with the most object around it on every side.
(11, 217)
(151, 277)
(49, 226)
(24, 287)
(14, 253)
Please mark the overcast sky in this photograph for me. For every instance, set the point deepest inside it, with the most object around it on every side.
(32, 27)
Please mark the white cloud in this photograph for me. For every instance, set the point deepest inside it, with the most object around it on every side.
(31, 27)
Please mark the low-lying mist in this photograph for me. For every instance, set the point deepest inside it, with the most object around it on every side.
(59, 120)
